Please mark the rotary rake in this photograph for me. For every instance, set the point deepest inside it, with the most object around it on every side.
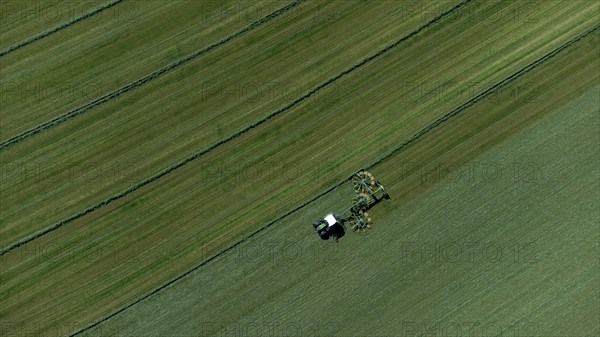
(368, 192)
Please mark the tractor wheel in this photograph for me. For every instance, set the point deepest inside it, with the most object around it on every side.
(361, 201)
(362, 223)
(362, 180)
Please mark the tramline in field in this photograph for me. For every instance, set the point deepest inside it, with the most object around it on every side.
(368, 193)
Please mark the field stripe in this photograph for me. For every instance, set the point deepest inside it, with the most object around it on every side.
(61, 26)
(380, 160)
(483, 94)
(154, 75)
(232, 136)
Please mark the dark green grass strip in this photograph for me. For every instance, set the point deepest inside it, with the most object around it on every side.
(61, 26)
(380, 160)
(152, 76)
(213, 146)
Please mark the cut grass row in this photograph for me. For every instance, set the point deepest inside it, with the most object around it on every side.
(24, 20)
(70, 20)
(175, 237)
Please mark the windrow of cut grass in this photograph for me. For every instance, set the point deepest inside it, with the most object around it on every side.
(27, 21)
(70, 19)
(127, 248)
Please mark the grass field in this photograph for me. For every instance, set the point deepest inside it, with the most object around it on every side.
(472, 255)
(135, 152)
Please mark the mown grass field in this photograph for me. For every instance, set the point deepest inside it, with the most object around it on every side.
(104, 206)
(483, 260)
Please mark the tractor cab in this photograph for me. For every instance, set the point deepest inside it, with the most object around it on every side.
(329, 226)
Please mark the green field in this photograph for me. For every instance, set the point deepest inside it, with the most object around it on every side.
(137, 201)
(472, 254)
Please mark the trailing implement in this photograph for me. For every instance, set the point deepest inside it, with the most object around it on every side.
(368, 192)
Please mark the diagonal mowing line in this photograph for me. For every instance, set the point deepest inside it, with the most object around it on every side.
(380, 160)
(55, 29)
(225, 140)
(477, 98)
(154, 75)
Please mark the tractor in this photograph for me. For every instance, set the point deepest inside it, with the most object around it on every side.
(368, 193)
